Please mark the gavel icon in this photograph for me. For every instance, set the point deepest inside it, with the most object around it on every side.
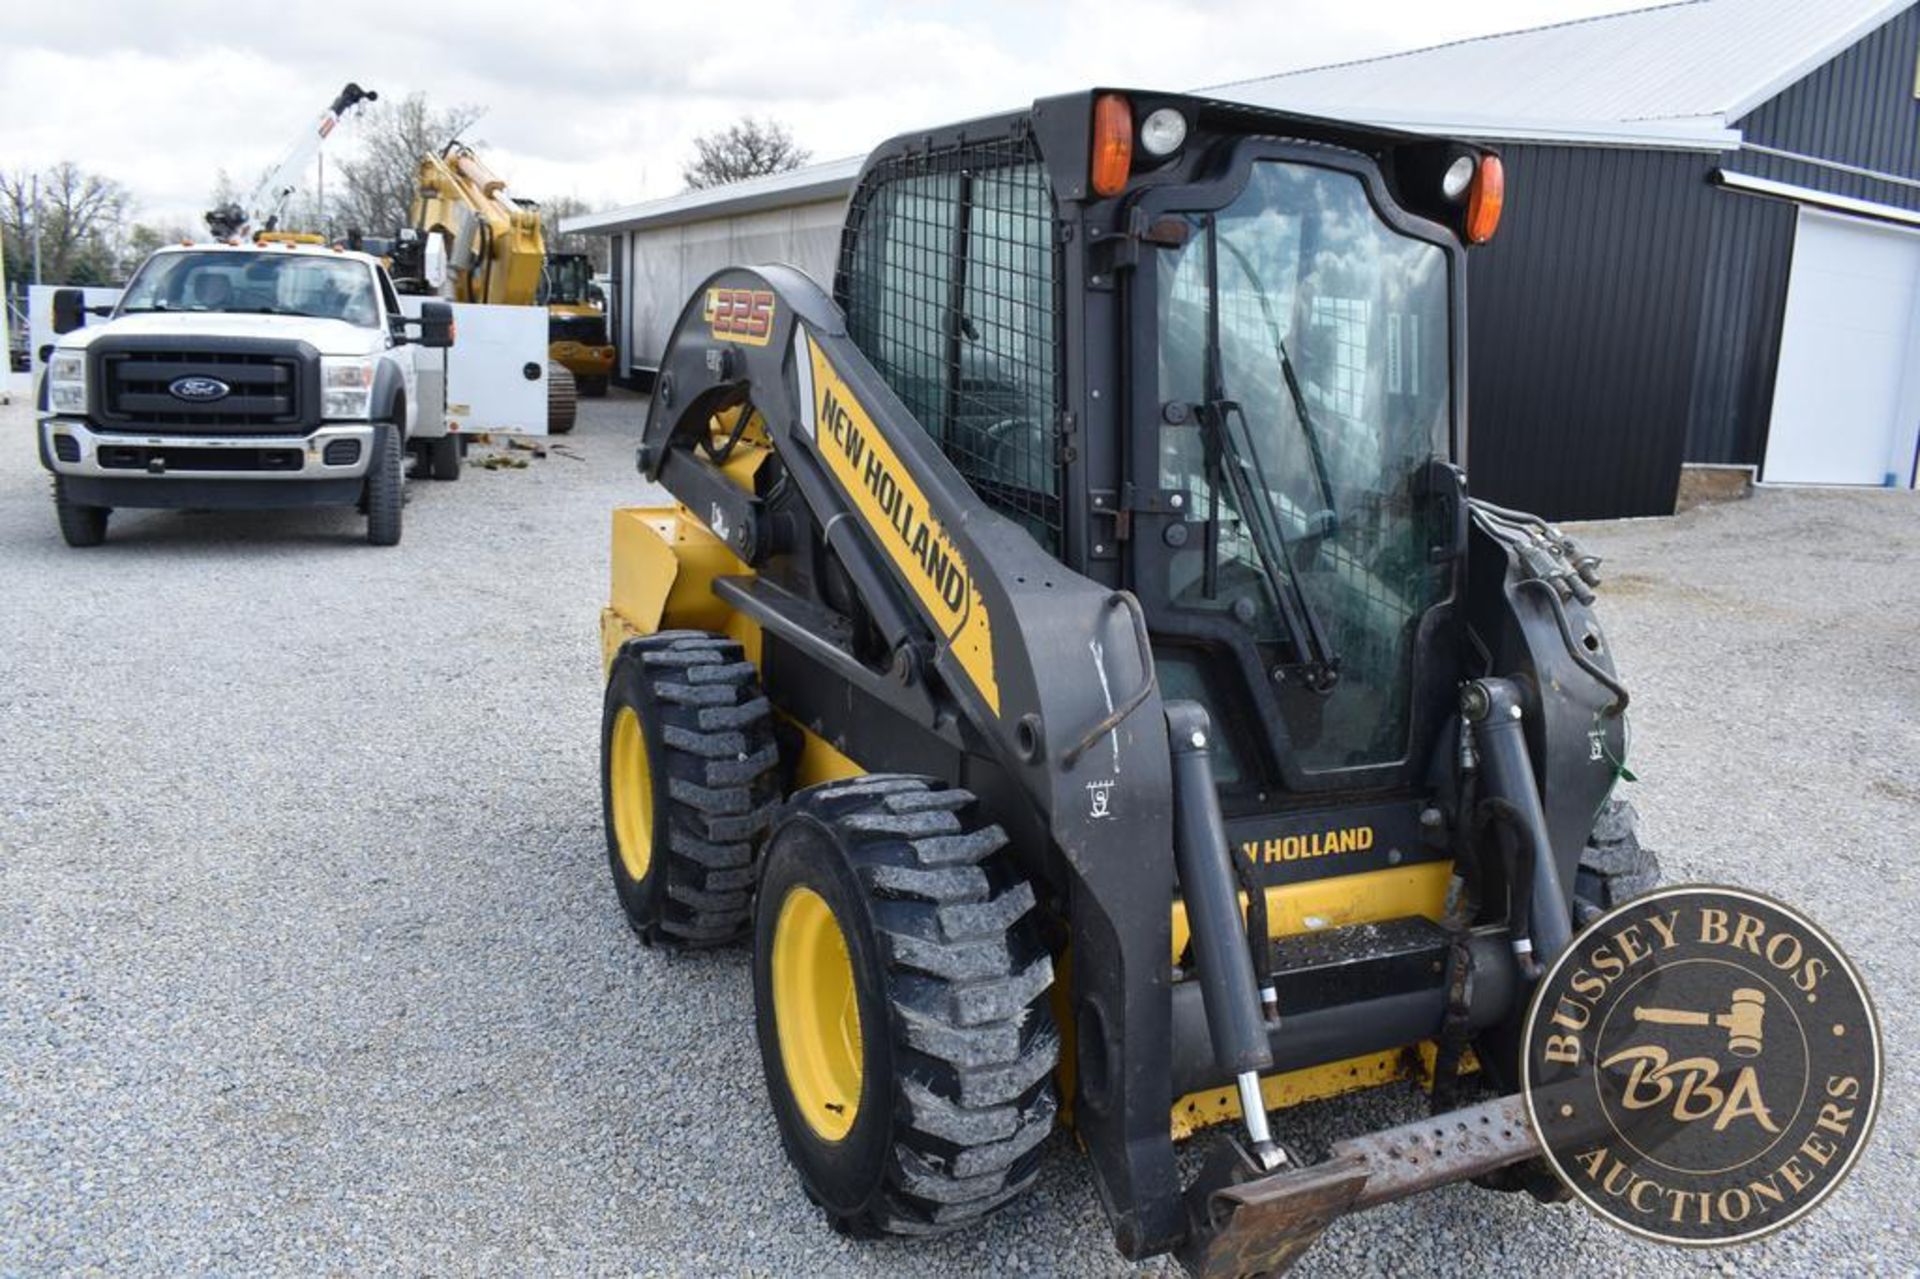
(1741, 1021)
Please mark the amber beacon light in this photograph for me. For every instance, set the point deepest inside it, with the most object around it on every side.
(1112, 144)
(1485, 199)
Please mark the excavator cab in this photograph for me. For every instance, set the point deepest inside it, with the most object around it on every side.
(577, 321)
(1072, 656)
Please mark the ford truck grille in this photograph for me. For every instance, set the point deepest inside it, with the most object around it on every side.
(272, 387)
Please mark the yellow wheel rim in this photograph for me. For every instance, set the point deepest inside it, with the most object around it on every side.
(631, 779)
(816, 1013)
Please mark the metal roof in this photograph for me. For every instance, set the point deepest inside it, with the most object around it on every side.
(1678, 74)
(830, 180)
(1675, 76)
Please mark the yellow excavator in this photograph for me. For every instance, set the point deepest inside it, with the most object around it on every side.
(495, 252)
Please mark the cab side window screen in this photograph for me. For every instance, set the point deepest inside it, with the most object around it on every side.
(949, 278)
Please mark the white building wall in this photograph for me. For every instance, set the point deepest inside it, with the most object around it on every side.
(666, 264)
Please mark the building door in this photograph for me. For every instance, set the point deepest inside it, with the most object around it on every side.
(1846, 396)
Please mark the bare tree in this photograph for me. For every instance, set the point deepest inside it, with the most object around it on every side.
(558, 241)
(143, 238)
(81, 222)
(746, 148)
(373, 190)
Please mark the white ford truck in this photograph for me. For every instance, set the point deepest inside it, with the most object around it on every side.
(263, 374)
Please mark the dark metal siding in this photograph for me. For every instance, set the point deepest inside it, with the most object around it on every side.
(1585, 311)
(1857, 109)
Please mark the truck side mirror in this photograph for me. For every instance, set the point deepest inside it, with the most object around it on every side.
(69, 310)
(436, 325)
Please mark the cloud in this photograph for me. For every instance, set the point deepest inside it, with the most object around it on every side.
(603, 100)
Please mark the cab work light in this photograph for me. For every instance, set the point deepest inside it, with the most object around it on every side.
(1485, 198)
(1112, 144)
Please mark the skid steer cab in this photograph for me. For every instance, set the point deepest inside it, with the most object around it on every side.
(1072, 662)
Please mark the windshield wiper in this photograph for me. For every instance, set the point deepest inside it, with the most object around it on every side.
(1315, 660)
(1300, 411)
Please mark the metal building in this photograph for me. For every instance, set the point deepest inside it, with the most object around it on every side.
(663, 249)
(1710, 254)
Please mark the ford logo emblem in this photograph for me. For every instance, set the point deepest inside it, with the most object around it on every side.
(201, 390)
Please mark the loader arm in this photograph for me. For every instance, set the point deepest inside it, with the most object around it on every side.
(973, 611)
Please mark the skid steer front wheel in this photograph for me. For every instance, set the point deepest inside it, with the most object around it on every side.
(900, 995)
(688, 784)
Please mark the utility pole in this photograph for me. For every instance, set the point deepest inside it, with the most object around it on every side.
(35, 199)
(320, 195)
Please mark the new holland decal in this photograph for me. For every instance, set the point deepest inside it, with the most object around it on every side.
(895, 511)
(1292, 848)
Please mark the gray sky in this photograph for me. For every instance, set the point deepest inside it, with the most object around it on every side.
(602, 100)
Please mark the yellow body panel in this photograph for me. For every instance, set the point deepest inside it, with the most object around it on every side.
(1199, 1110)
(1340, 900)
(664, 565)
(582, 359)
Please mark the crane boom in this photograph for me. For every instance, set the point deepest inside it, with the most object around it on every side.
(266, 204)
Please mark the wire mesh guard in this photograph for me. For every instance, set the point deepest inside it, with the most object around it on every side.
(950, 281)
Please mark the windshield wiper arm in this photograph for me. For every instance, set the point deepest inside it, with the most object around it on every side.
(1254, 496)
(1287, 375)
(1313, 656)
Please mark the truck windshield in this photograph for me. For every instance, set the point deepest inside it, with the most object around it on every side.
(264, 283)
(1304, 366)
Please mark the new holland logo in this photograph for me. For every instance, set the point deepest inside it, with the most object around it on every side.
(1702, 1066)
(895, 510)
(199, 390)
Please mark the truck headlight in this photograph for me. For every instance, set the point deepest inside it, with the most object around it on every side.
(67, 382)
(346, 386)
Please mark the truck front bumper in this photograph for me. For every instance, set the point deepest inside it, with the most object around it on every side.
(131, 469)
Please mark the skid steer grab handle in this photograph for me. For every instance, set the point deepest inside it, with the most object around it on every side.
(1119, 599)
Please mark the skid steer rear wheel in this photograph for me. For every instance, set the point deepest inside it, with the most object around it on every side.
(688, 783)
(900, 996)
(1615, 867)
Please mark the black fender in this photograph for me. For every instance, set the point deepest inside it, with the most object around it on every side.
(388, 402)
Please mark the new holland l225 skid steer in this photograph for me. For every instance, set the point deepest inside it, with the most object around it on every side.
(1073, 660)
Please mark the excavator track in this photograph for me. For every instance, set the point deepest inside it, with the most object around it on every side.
(563, 398)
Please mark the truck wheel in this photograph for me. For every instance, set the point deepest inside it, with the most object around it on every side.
(563, 399)
(901, 1000)
(1614, 867)
(386, 486)
(79, 525)
(443, 457)
(688, 784)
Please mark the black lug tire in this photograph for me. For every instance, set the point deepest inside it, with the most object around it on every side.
(1615, 867)
(714, 768)
(957, 1095)
(386, 488)
(79, 525)
(443, 457)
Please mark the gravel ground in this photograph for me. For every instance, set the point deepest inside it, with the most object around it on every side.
(309, 961)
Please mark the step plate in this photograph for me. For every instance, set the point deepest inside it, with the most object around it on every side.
(1361, 961)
